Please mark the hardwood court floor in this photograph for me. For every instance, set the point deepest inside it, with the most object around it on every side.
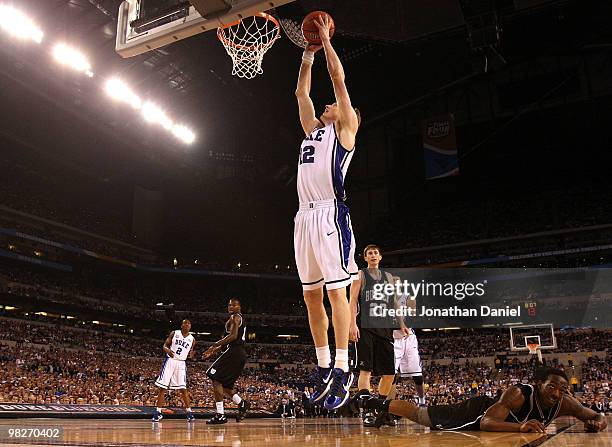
(277, 432)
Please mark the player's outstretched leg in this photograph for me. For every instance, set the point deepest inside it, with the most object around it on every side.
(219, 417)
(157, 414)
(187, 403)
(342, 377)
(319, 323)
(243, 405)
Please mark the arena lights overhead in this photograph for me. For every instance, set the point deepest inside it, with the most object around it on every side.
(154, 114)
(120, 91)
(19, 25)
(72, 58)
(185, 135)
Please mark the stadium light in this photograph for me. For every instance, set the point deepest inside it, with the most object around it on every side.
(153, 114)
(19, 25)
(120, 91)
(183, 133)
(72, 58)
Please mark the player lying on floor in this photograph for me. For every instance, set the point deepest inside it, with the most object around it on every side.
(521, 408)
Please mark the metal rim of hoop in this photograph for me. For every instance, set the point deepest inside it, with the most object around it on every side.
(221, 35)
(533, 348)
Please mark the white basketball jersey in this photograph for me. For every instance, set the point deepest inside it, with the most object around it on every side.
(181, 345)
(402, 302)
(322, 166)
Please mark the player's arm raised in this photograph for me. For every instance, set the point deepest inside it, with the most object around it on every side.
(308, 118)
(168, 345)
(495, 417)
(348, 121)
(355, 290)
(593, 421)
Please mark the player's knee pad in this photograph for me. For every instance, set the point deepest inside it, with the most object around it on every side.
(418, 380)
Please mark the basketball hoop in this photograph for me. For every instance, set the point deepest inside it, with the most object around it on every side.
(246, 42)
(533, 348)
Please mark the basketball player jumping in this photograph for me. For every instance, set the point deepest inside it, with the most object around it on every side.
(173, 375)
(521, 408)
(229, 365)
(323, 238)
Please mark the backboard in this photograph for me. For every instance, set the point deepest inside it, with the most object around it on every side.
(144, 25)
(543, 334)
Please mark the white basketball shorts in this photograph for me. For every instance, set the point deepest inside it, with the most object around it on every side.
(407, 359)
(324, 245)
(173, 375)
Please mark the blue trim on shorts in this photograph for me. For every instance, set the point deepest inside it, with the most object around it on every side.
(161, 372)
(311, 283)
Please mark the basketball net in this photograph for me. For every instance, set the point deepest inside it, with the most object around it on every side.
(246, 42)
(534, 349)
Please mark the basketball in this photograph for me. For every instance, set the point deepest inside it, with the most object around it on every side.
(310, 30)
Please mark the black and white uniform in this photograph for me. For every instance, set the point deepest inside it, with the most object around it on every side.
(173, 373)
(229, 365)
(323, 235)
(467, 415)
(375, 344)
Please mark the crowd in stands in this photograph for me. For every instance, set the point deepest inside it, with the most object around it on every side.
(37, 376)
(456, 344)
(469, 219)
(134, 296)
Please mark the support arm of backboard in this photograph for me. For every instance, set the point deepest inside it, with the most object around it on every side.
(209, 9)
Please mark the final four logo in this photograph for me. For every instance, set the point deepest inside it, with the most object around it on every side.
(438, 129)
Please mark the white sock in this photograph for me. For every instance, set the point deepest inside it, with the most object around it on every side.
(323, 356)
(236, 399)
(342, 359)
(159, 409)
(188, 410)
(422, 400)
(220, 408)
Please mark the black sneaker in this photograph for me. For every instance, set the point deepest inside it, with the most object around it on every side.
(242, 410)
(389, 420)
(369, 420)
(383, 415)
(217, 419)
(356, 402)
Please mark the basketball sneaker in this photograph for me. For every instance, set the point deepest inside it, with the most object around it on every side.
(339, 390)
(217, 419)
(322, 382)
(382, 418)
(242, 410)
(190, 417)
(157, 416)
(369, 419)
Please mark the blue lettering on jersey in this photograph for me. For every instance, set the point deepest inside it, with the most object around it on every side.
(307, 155)
(183, 343)
(318, 137)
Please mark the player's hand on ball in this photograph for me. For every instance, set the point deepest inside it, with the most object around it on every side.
(595, 426)
(323, 24)
(533, 426)
(354, 332)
